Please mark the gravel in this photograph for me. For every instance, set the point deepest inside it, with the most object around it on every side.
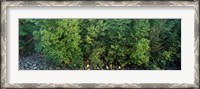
(38, 62)
(35, 62)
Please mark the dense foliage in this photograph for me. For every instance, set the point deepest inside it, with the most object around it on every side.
(148, 44)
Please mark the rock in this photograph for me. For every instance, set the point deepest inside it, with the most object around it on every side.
(110, 66)
(29, 63)
(97, 68)
(35, 68)
(101, 68)
(87, 66)
(107, 67)
(41, 67)
(20, 61)
(25, 65)
(34, 64)
(21, 68)
(57, 68)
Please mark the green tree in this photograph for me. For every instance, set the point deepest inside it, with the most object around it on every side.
(115, 40)
(26, 41)
(59, 41)
(140, 52)
(165, 44)
(92, 45)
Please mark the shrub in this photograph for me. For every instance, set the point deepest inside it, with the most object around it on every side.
(26, 41)
(140, 53)
(92, 33)
(115, 40)
(165, 44)
(59, 41)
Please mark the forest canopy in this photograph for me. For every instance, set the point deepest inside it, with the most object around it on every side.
(131, 44)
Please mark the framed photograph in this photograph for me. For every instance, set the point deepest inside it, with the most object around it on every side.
(100, 44)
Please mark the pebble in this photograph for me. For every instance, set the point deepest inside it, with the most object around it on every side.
(119, 67)
(97, 68)
(25, 65)
(57, 68)
(110, 66)
(107, 67)
(34, 64)
(34, 68)
(41, 67)
(88, 66)
(37, 62)
(29, 63)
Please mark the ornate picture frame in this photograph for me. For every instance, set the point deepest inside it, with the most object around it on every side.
(4, 53)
